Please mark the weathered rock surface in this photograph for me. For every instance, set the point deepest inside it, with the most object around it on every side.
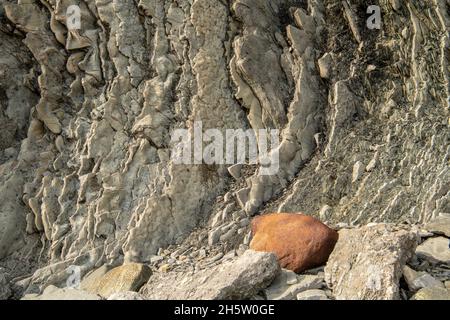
(367, 262)
(240, 279)
(300, 242)
(435, 250)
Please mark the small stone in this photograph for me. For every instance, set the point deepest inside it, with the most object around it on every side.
(314, 294)
(373, 163)
(244, 222)
(435, 250)
(156, 259)
(238, 215)
(228, 197)
(235, 171)
(229, 234)
(325, 212)
(425, 234)
(433, 293)
(371, 68)
(201, 254)
(217, 219)
(242, 197)
(325, 65)
(164, 268)
(447, 284)
(396, 4)
(439, 225)
(299, 39)
(214, 236)
(342, 225)
(358, 171)
(227, 210)
(418, 280)
(279, 286)
(405, 33)
(247, 238)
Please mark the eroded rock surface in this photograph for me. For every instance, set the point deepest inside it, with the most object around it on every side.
(87, 117)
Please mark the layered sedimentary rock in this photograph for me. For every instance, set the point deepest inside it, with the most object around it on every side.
(88, 113)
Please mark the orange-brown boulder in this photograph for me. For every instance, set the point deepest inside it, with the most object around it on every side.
(299, 241)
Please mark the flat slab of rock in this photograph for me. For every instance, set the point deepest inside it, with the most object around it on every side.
(440, 225)
(287, 285)
(314, 294)
(300, 242)
(367, 262)
(128, 277)
(418, 280)
(241, 278)
(435, 250)
(54, 293)
(433, 293)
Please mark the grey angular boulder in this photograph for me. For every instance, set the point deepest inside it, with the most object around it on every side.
(367, 262)
(435, 250)
(439, 225)
(241, 278)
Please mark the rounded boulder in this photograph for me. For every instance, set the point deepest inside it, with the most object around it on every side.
(299, 241)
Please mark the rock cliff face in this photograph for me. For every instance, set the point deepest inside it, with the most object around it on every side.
(88, 116)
